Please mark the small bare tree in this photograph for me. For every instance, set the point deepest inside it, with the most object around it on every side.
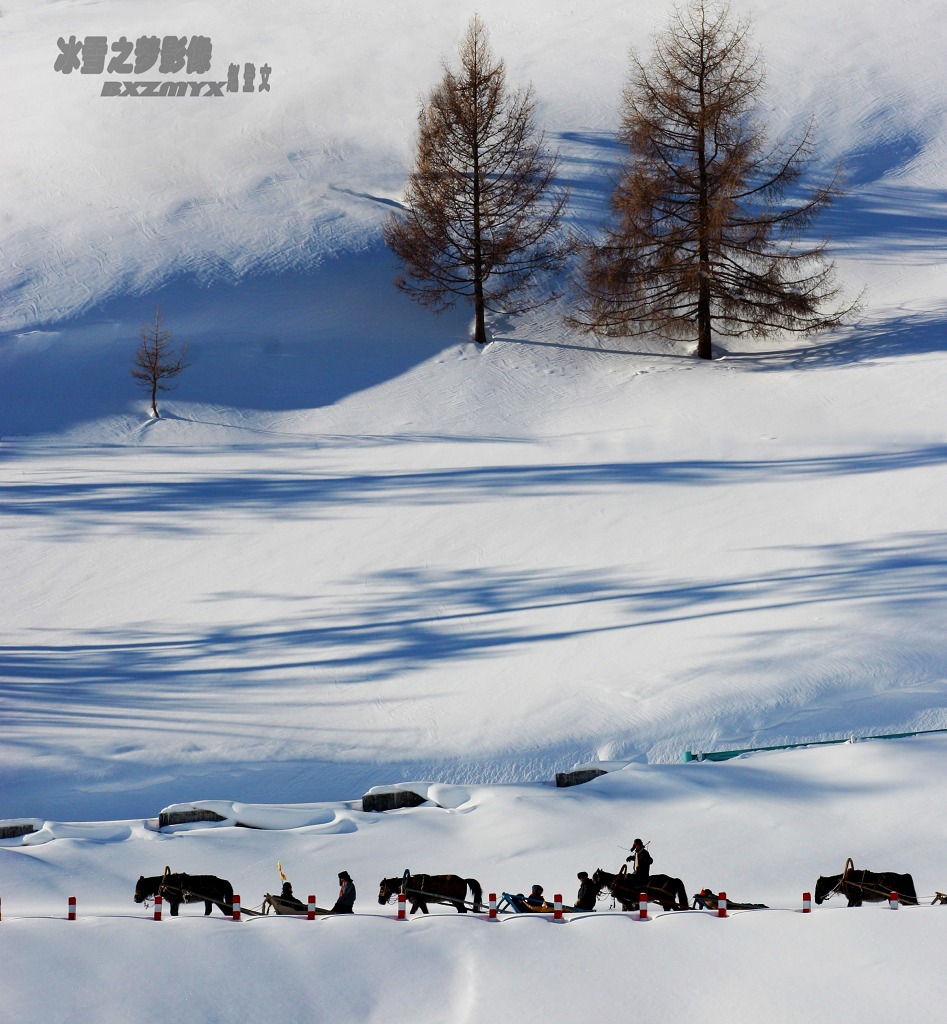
(704, 237)
(483, 211)
(156, 361)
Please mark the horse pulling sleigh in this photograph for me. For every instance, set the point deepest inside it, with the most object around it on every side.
(866, 886)
(665, 890)
(421, 890)
(176, 888)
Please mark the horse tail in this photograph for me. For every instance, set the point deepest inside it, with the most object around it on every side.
(477, 894)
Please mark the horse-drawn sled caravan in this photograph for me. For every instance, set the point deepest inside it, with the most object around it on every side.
(623, 888)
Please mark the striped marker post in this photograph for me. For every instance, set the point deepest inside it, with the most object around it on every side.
(236, 907)
(493, 907)
(893, 901)
(402, 906)
(557, 907)
(159, 904)
(72, 908)
(722, 905)
(643, 906)
(807, 902)
(311, 912)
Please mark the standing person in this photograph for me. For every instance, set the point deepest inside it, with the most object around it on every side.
(585, 900)
(346, 902)
(642, 863)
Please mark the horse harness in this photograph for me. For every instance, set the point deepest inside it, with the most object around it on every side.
(167, 891)
(621, 882)
(848, 881)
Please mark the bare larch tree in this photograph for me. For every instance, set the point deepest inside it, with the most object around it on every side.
(709, 220)
(482, 217)
(157, 362)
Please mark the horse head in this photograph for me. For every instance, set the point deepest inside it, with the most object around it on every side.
(825, 886)
(601, 880)
(142, 889)
(389, 887)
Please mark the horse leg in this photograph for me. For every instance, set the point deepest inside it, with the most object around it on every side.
(681, 896)
(461, 909)
(208, 907)
(175, 907)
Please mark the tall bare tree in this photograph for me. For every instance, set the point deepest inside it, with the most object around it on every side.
(157, 362)
(709, 220)
(483, 212)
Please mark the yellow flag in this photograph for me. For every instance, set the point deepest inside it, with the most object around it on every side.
(279, 868)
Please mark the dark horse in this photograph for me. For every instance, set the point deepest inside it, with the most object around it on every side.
(859, 886)
(424, 889)
(177, 888)
(663, 889)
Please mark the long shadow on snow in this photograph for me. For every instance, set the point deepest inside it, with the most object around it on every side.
(866, 342)
(272, 342)
(77, 506)
(413, 618)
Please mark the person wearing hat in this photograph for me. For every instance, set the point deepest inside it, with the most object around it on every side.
(642, 863)
(535, 898)
(346, 902)
(287, 897)
(585, 900)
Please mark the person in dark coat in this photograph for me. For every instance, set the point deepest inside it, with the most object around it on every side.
(642, 863)
(585, 900)
(288, 898)
(345, 904)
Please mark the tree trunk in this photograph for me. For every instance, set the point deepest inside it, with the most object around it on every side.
(154, 399)
(480, 329)
(704, 343)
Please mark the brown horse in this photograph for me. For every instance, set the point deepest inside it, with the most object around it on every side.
(424, 889)
(666, 890)
(858, 886)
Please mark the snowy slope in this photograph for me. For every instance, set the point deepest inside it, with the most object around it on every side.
(356, 551)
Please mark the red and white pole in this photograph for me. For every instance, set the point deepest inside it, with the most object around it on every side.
(722, 905)
(557, 907)
(893, 901)
(643, 906)
(72, 908)
(236, 907)
(493, 906)
(807, 902)
(311, 912)
(159, 903)
(402, 904)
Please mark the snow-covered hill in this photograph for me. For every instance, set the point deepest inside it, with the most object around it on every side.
(355, 550)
